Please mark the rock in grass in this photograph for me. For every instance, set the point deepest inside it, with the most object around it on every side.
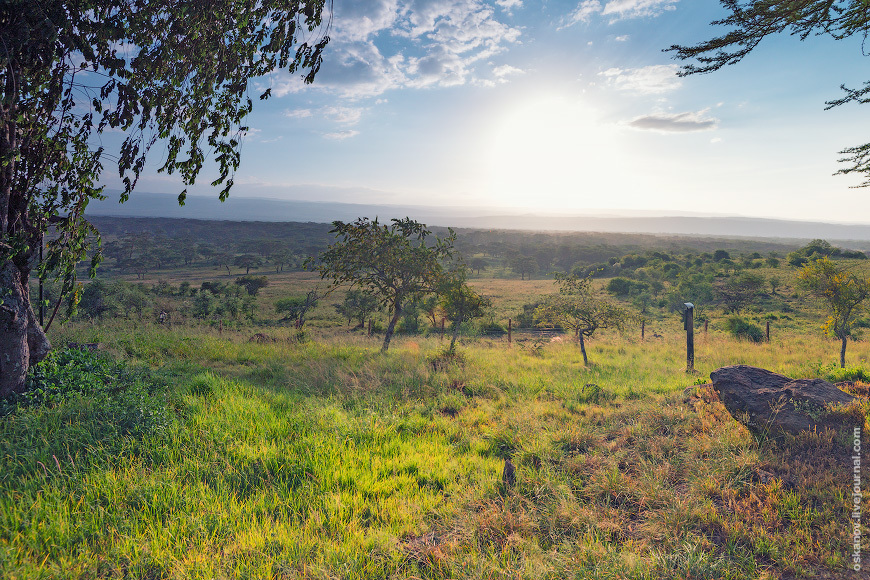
(508, 474)
(772, 404)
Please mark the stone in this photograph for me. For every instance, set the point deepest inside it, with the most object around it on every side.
(772, 404)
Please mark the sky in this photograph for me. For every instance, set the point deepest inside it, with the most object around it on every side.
(556, 107)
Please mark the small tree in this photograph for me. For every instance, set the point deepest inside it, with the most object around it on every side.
(358, 305)
(577, 308)
(296, 307)
(460, 302)
(736, 292)
(252, 284)
(843, 293)
(395, 262)
(247, 261)
(478, 264)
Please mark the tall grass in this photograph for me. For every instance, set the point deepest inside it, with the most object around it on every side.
(327, 459)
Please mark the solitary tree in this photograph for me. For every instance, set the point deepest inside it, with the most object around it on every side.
(178, 73)
(461, 302)
(297, 307)
(248, 261)
(395, 262)
(843, 293)
(576, 308)
(738, 291)
(750, 21)
(252, 284)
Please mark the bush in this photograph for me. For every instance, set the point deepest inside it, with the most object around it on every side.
(744, 329)
(835, 374)
(122, 399)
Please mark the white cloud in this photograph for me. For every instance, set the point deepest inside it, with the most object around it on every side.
(655, 79)
(446, 40)
(297, 113)
(622, 9)
(583, 13)
(341, 135)
(676, 122)
(343, 115)
(359, 69)
(617, 9)
(623, 38)
(336, 114)
(356, 20)
(506, 70)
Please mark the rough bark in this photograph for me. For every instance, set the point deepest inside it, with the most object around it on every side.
(583, 350)
(843, 353)
(390, 329)
(22, 342)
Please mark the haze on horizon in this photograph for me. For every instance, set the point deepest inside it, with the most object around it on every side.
(554, 106)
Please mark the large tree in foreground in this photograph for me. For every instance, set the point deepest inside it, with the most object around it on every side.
(396, 262)
(842, 291)
(750, 21)
(171, 72)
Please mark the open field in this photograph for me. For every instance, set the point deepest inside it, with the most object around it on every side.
(229, 445)
(327, 459)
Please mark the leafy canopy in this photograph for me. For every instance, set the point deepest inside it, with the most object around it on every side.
(177, 73)
(577, 308)
(396, 262)
(750, 21)
(842, 291)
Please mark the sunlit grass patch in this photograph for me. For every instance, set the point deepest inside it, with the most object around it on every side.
(327, 458)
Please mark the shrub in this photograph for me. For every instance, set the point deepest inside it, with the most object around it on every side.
(119, 398)
(744, 329)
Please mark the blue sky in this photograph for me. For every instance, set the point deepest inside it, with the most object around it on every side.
(556, 106)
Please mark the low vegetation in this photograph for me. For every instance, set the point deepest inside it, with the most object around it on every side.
(236, 446)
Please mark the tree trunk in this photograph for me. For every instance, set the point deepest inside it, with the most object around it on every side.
(22, 342)
(390, 328)
(455, 336)
(843, 353)
(583, 350)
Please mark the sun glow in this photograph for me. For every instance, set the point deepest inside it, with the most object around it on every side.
(553, 152)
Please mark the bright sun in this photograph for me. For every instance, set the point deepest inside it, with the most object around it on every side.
(552, 152)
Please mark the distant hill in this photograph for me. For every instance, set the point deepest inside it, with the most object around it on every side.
(144, 204)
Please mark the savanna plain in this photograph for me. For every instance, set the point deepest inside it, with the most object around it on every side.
(232, 444)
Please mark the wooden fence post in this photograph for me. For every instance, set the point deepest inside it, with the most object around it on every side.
(642, 329)
(690, 337)
(768, 331)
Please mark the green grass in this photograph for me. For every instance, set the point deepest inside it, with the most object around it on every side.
(327, 459)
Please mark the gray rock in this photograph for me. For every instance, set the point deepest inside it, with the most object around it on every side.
(772, 404)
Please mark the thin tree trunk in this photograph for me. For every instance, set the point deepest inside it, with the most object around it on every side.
(455, 336)
(843, 353)
(390, 328)
(583, 350)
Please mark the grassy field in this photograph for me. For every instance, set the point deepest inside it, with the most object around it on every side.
(211, 456)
